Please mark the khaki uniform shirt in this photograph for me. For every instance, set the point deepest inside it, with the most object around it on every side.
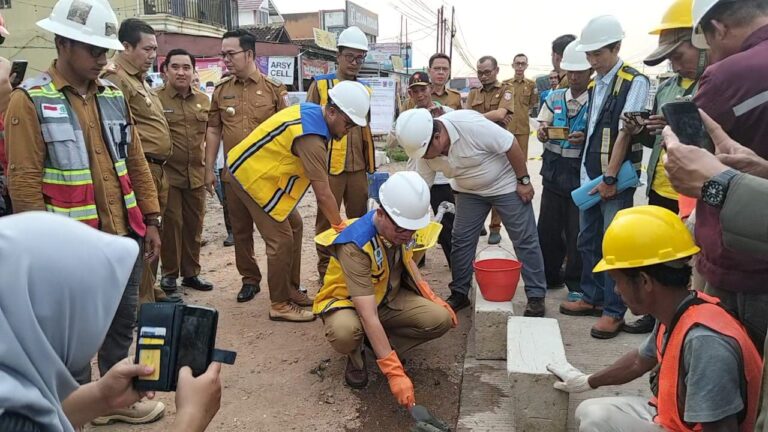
(355, 160)
(525, 98)
(449, 97)
(27, 151)
(496, 96)
(356, 266)
(146, 108)
(313, 152)
(187, 119)
(238, 107)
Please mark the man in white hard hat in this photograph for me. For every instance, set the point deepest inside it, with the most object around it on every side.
(733, 91)
(275, 165)
(352, 157)
(558, 216)
(487, 169)
(618, 88)
(373, 290)
(74, 151)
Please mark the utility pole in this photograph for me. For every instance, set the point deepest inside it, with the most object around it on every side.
(437, 34)
(406, 47)
(453, 33)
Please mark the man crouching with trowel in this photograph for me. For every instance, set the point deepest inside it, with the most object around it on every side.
(373, 290)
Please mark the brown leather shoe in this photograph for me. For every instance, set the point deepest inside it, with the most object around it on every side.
(580, 308)
(289, 311)
(356, 378)
(301, 299)
(606, 327)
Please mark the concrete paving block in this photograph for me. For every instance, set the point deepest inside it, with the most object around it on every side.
(489, 327)
(486, 399)
(533, 343)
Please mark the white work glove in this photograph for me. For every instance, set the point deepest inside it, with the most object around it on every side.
(572, 380)
(445, 207)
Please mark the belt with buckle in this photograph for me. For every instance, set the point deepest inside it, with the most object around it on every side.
(155, 161)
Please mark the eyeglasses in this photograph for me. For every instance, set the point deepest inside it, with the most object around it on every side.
(484, 72)
(398, 229)
(231, 54)
(351, 58)
(95, 51)
(520, 64)
(440, 69)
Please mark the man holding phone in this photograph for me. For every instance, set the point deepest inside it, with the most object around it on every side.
(617, 89)
(558, 216)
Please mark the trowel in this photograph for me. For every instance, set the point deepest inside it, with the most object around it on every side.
(425, 421)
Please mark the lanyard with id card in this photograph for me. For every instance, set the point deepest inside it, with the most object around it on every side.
(173, 336)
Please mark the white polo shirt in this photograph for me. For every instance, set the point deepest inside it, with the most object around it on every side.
(477, 162)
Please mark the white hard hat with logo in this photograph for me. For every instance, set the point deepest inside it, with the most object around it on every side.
(405, 198)
(699, 11)
(414, 131)
(353, 99)
(92, 22)
(574, 61)
(599, 32)
(353, 37)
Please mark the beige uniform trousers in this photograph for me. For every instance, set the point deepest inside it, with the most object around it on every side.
(148, 292)
(351, 188)
(409, 320)
(283, 244)
(182, 231)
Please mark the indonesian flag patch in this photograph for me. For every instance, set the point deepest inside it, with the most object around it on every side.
(54, 111)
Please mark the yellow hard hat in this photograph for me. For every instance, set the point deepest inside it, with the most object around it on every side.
(642, 236)
(678, 15)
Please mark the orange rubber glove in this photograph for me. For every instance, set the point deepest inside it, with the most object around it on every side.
(340, 227)
(399, 383)
(427, 293)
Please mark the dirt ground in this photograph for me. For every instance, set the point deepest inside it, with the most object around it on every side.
(287, 377)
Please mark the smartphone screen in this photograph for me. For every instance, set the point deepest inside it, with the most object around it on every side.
(19, 67)
(198, 334)
(685, 121)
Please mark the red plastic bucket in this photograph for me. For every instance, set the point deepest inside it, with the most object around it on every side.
(497, 278)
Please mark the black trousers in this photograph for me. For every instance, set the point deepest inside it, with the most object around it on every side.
(658, 200)
(438, 194)
(558, 231)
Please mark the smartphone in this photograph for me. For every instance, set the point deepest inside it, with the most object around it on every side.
(19, 67)
(197, 338)
(557, 133)
(639, 116)
(685, 121)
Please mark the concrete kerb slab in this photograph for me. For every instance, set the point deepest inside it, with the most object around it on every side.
(532, 344)
(489, 326)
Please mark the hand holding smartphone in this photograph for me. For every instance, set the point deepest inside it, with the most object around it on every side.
(685, 121)
(19, 67)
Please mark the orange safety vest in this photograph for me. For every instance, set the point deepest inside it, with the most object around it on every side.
(705, 311)
(67, 184)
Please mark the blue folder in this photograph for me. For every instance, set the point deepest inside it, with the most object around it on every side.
(627, 178)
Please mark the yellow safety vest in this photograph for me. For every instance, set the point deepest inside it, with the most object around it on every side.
(334, 294)
(264, 165)
(337, 152)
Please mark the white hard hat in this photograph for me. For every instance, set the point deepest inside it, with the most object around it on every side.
(352, 98)
(92, 22)
(599, 32)
(573, 60)
(405, 198)
(353, 37)
(414, 131)
(700, 8)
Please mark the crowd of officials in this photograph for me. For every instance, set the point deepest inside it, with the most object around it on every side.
(90, 141)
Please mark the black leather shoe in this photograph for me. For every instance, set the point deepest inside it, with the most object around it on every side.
(195, 282)
(247, 292)
(173, 298)
(230, 240)
(534, 308)
(645, 324)
(168, 284)
(356, 378)
(483, 232)
(457, 301)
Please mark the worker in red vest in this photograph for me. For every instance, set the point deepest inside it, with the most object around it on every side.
(705, 370)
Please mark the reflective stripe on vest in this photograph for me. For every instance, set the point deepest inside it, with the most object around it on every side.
(577, 123)
(337, 149)
(334, 294)
(711, 315)
(67, 183)
(265, 165)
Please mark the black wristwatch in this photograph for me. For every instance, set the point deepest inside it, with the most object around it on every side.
(609, 180)
(524, 180)
(714, 190)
